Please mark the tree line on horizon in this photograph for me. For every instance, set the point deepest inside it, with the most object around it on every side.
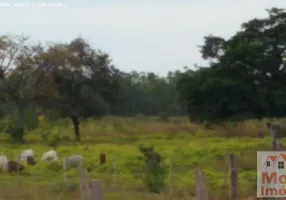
(72, 80)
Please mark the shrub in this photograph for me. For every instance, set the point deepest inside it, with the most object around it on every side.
(54, 137)
(7, 124)
(154, 172)
(53, 167)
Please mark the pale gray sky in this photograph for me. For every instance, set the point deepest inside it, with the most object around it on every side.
(139, 35)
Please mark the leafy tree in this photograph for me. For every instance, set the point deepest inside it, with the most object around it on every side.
(148, 94)
(85, 80)
(21, 77)
(245, 79)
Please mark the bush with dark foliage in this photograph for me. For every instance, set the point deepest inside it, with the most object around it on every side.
(154, 173)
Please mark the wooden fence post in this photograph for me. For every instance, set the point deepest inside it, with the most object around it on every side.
(233, 177)
(171, 177)
(274, 131)
(275, 144)
(84, 186)
(114, 169)
(65, 169)
(18, 160)
(96, 193)
(201, 186)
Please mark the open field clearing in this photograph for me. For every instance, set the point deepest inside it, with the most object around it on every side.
(120, 175)
(128, 109)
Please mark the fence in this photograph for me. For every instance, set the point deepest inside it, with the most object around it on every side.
(93, 191)
(89, 189)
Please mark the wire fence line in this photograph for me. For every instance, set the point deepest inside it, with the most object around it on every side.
(201, 190)
(112, 181)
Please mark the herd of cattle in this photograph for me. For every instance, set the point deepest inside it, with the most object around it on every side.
(28, 157)
(276, 132)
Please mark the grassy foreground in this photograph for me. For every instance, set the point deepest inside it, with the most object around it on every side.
(188, 146)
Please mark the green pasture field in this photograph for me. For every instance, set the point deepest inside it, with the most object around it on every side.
(187, 146)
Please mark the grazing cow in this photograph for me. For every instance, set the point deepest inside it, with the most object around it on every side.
(31, 160)
(4, 161)
(13, 166)
(73, 161)
(102, 158)
(26, 153)
(50, 155)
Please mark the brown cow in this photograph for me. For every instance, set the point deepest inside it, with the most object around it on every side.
(13, 166)
(30, 160)
(102, 158)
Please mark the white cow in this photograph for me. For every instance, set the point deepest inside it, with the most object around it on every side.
(72, 162)
(26, 153)
(50, 155)
(4, 161)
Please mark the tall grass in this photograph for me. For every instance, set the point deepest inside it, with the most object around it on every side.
(187, 144)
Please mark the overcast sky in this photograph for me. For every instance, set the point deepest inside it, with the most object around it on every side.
(147, 36)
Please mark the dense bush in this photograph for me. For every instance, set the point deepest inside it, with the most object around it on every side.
(154, 172)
